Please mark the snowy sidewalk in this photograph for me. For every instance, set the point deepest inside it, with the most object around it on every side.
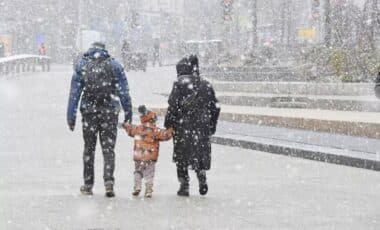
(323, 102)
(313, 114)
(361, 124)
(317, 133)
(41, 171)
(330, 148)
(312, 97)
(297, 88)
(153, 88)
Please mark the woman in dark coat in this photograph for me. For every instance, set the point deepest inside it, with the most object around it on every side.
(193, 113)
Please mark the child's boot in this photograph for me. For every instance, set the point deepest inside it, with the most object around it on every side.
(136, 191)
(148, 190)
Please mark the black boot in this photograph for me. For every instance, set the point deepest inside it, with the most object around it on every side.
(86, 190)
(183, 178)
(109, 191)
(183, 190)
(203, 187)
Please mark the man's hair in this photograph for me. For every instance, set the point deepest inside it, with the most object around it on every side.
(99, 45)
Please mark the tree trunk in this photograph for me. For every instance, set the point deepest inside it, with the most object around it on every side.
(327, 23)
(374, 23)
(283, 18)
(254, 24)
(289, 23)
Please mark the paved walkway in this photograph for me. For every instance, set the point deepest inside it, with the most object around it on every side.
(309, 88)
(327, 140)
(153, 88)
(40, 174)
(311, 97)
(326, 115)
(330, 148)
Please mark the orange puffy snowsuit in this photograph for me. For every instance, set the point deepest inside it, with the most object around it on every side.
(147, 140)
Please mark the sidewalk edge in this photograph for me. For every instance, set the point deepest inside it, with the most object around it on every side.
(300, 153)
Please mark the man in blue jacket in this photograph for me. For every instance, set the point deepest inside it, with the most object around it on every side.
(101, 85)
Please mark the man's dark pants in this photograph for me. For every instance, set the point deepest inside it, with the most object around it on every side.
(106, 126)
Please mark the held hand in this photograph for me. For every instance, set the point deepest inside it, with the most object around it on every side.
(170, 130)
(126, 125)
(71, 125)
(128, 117)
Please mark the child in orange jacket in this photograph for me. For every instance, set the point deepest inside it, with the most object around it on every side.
(146, 149)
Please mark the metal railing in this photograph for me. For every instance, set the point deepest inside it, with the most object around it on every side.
(24, 63)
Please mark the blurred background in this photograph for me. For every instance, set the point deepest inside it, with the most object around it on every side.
(320, 37)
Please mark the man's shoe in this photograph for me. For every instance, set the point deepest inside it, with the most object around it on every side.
(183, 190)
(109, 191)
(86, 190)
(203, 188)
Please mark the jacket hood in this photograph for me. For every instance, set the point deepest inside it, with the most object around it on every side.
(188, 65)
(96, 53)
(189, 80)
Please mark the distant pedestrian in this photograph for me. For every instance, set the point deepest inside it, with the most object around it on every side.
(125, 52)
(156, 53)
(99, 81)
(147, 143)
(2, 49)
(377, 85)
(193, 113)
(42, 50)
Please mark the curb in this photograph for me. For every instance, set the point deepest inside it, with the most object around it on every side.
(300, 153)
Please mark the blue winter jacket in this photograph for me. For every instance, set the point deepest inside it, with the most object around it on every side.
(77, 85)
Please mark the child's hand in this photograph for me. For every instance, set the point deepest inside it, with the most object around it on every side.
(126, 126)
(170, 130)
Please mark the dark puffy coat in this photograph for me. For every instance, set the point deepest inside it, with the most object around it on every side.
(193, 113)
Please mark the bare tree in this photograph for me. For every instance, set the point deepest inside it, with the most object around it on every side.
(374, 23)
(254, 23)
(327, 23)
(286, 22)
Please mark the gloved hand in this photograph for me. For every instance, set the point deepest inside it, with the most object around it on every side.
(71, 125)
(128, 117)
(126, 125)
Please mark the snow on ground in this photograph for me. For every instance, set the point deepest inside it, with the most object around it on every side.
(41, 170)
